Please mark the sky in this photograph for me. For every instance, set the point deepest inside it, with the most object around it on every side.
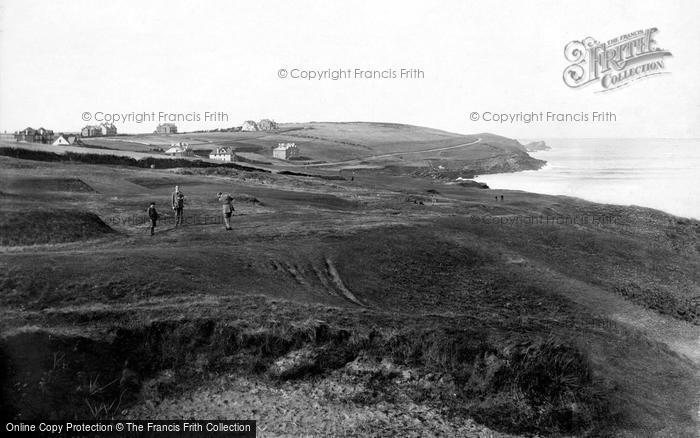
(60, 59)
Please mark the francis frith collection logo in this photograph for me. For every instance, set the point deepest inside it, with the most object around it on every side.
(614, 63)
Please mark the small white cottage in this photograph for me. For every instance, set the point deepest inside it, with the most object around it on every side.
(222, 154)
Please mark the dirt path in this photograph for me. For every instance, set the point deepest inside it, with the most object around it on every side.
(680, 336)
(394, 154)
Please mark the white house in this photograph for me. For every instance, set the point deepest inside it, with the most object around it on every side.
(285, 151)
(66, 140)
(181, 149)
(222, 154)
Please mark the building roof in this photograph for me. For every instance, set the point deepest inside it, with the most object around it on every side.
(221, 151)
(70, 138)
(178, 148)
(285, 146)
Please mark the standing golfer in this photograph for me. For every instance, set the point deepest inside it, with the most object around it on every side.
(178, 202)
(226, 201)
(153, 216)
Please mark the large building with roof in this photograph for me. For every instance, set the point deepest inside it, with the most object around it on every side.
(91, 131)
(166, 128)
(30, 135)
(108, 129)
(285, 151)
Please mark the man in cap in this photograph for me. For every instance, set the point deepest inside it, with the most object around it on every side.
(178, 203)
(226, 201)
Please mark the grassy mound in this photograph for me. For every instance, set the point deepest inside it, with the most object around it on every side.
(535, 385)
(49, 226)
(50, 185)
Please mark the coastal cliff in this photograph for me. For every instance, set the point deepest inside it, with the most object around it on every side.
(492, 154)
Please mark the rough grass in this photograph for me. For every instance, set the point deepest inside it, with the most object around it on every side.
(660, 276)
(536, 384)
(447, 320)
(49, 185)
(518, 356)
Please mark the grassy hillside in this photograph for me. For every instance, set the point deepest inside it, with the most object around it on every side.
(377, 310)
(338, 146)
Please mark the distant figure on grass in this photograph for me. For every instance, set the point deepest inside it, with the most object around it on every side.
(226, 201)
(433, 199)
(501, 197)
(153, 216)
(178, 202)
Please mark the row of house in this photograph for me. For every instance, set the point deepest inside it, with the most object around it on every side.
(108, 129)
(183, 149)
(46, 136)
(42, 135)
(248, 125)
(283, 151)
(101, 130)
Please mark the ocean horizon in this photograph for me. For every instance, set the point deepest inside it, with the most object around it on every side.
(663, 174)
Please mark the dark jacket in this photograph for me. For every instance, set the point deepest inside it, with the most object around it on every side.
(226, 203)
(152, 213)
(178, 200)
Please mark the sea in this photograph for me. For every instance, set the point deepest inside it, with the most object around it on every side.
(663, 174)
